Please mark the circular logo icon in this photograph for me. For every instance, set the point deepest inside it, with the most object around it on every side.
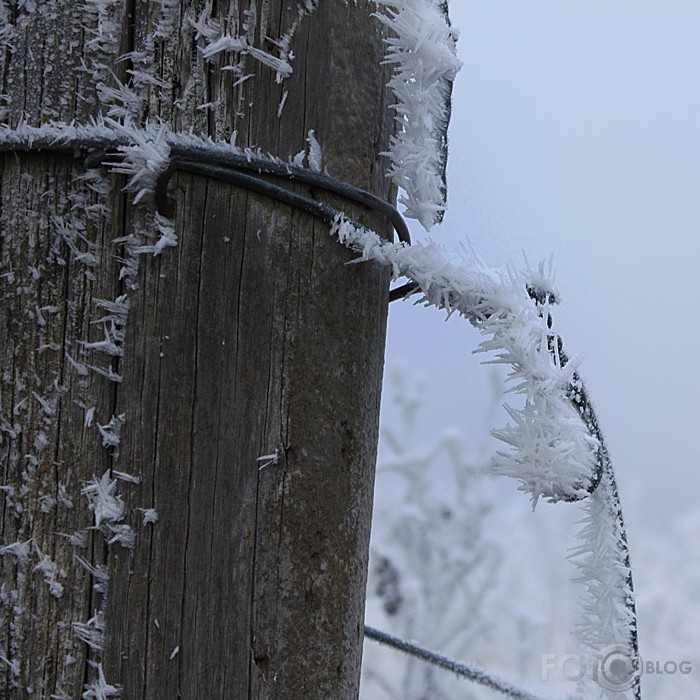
(616, 668)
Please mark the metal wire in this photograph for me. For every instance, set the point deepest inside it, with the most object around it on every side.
(266, 166)
(463, 670)
(203, 161)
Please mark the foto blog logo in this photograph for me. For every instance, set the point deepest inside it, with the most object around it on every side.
(615, 668)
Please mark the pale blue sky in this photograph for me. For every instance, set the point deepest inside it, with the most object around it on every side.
(576, 131)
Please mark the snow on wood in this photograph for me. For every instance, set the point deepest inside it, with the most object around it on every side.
(110, 432)
(100, 689)
(422, 51)
(51, 572)
(150, 516)
(315, 155)
(109, 510)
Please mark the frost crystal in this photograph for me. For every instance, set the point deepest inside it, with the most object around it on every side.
(315, 155)
(51, 573)
(99, 689)
(102, 500)
(150, 516)
(168, 239)
(109, 510)
(12, 665)
(422, 51)
(92, 631)
(99, 573)
(110, 433)
(219, 42)
(557, 450)
(18, 549)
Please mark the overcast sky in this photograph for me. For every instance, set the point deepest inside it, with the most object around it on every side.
(576, 132)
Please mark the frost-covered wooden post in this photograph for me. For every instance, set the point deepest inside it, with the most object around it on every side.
(189, 406)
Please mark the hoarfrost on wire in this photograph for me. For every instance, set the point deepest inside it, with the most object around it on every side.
(553, 453)
(144, 156)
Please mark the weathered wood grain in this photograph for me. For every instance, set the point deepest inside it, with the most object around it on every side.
(251, 337)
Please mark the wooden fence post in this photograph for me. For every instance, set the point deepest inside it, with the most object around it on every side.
(242, 389)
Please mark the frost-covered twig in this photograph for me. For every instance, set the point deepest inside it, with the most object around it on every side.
(421, 49)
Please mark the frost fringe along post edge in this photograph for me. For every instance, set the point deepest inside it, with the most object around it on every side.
(422, 50)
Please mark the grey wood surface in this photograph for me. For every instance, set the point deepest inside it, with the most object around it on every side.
(251, 337)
